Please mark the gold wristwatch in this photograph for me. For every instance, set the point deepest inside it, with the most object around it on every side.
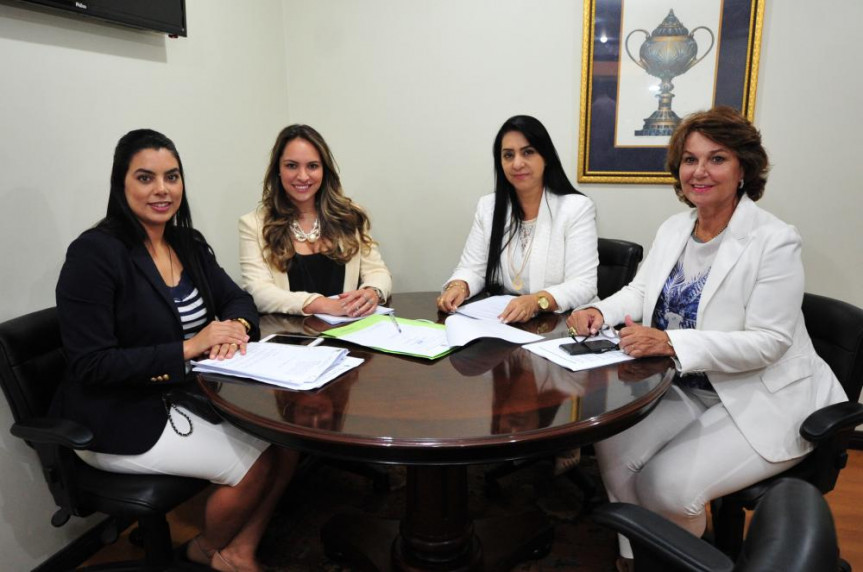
(543, 302)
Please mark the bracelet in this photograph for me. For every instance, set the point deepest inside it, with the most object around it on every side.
(245, 324)
(455, 283)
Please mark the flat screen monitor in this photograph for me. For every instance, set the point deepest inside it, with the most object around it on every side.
(167, 16)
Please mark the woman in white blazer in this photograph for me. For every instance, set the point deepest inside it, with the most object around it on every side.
(720, 292)
(306, 249)
(535, 237)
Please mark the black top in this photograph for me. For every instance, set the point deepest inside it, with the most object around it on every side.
(121, 332)
(316, 273)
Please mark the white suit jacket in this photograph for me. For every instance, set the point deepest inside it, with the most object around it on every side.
(750, 337)
(271, 288)
(563, 258)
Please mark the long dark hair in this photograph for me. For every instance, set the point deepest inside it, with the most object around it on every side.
(554, 179)
(122, 223)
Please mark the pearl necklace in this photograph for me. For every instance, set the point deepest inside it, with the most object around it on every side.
(303, 236)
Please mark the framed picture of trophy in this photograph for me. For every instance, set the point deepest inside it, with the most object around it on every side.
(648, 63)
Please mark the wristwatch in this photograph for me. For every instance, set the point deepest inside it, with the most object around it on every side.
(543, 302)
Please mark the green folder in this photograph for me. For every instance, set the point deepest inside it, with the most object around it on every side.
(417, 338)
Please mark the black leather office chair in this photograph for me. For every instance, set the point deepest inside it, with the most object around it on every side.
(836, 329)
(618, 263)
(792, 530)
(31, 367)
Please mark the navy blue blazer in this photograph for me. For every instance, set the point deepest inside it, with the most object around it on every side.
(121, 330)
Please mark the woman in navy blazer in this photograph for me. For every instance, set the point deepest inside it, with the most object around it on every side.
(720, 292)
(140, 295)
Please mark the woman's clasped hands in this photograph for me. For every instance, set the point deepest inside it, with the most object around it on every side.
(218, 340)
(355, 303)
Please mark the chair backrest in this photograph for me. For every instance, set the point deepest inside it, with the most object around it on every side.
(791, 530)
(618, 262)
(836, 329)
(32, 362)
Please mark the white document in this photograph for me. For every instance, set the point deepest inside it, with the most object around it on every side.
(461, 330)
(550, 349)
(487, 308)
(347, 364)
(412, 340)
(270, 362)
(335, 320)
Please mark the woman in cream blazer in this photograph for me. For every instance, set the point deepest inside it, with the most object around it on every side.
(720, 291)
(307, 231)
(271, 288)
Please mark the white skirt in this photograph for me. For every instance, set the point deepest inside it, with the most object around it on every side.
(221, 454)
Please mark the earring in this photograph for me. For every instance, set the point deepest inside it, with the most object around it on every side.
(740, 184)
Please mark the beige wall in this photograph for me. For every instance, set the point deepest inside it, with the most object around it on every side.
(70, 89)
(409, 94)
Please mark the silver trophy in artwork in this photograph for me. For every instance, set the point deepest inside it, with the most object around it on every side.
(670, 51)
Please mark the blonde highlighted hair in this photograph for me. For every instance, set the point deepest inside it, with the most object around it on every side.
(344, 225)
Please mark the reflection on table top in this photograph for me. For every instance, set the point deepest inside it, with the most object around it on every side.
(490, 400)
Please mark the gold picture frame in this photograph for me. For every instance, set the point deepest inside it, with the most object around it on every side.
(617, 143)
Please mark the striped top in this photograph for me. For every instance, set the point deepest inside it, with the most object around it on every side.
(190, 305)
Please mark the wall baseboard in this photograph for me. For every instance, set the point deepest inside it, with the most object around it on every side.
(856, 440)
(82, 548)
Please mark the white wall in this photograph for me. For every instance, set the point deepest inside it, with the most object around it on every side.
(409, 94)
(70, 89)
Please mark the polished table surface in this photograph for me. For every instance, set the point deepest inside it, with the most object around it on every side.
(486, 402)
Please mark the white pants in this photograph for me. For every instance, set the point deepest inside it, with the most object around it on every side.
(687, 452)
(221, 453)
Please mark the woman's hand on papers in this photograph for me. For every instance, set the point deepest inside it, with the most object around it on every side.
(453, 295)
(520, 309)
(220, 340)
(358, 303)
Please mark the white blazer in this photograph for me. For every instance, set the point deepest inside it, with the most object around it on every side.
(271, 288)
(563, 257)
(750, 337)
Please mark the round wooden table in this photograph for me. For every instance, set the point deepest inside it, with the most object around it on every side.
(487, 402)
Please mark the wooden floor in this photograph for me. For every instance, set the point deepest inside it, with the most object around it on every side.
(846, 503)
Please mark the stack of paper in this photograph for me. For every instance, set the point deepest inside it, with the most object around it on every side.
(480, 320)
(294, 367)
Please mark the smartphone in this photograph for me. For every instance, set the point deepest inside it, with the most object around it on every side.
(292, 339)
(575, 348)
(600, 346)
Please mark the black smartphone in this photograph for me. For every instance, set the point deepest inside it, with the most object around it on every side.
(292, 339)
(575, 348)
(600, 346)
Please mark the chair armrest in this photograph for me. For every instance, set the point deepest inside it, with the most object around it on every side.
(827, 421)
(54, 431)
(663, 541)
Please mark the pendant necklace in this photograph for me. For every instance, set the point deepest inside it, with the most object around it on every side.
(526, 241)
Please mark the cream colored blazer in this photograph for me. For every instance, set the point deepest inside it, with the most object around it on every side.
(270, 287)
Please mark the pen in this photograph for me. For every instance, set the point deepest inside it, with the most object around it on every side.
(395, 322)
(315, 342)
